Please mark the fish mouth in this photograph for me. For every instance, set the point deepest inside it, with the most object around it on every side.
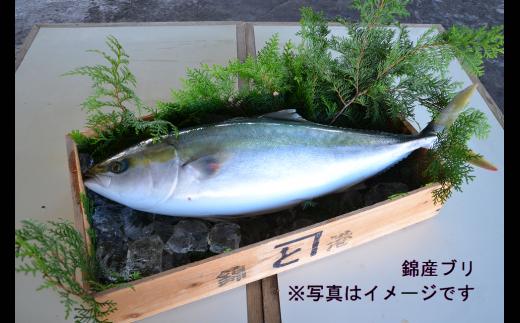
(95, 170)
(97, 180)
(89, 174)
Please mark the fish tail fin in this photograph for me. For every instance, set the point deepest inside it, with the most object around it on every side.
(480, 161)
(447, 116)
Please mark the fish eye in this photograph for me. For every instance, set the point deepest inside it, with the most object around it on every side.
(118, 166)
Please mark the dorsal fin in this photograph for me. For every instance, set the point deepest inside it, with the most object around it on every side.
(287, 114)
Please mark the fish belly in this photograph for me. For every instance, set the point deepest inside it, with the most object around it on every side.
(262, 180)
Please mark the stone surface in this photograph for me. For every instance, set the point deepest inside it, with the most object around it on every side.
(137, 225)
(301, 223)
(257, 228)
(170, 261)
(351, 200)
(472, 13)
(163, 226)
(110, 239)
(381, 191)
(287, 217)
(111, 257)
(188, 236)
(145, 256)
(224, 236)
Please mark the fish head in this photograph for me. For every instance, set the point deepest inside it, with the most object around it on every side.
(139, 177)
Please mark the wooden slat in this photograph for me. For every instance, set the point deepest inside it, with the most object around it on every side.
(77, 188)
(271, 300)
(241, 49)
(255, 312)
(241, 41)
(250, 40)
(410, 127)
(263, 301)
(183, 285)
(255, 308)
(137, 24)
(499, 115)
(296, 23)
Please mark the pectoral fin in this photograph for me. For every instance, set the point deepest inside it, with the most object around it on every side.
(205, 165)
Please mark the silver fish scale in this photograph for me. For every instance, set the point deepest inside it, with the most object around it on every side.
(264, 164)
(256, 132)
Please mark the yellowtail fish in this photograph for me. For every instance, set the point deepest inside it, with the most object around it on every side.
(254, 165)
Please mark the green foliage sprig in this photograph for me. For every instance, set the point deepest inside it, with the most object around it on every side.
(110, 108)
(57, 251)
(450, 155)
(213, 89)
(472, 46)
(373, 76)
(380, 73)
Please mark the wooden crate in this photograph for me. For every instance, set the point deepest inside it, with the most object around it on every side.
(188, 283)
(194, 281)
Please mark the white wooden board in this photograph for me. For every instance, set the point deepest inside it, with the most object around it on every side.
(468, 228)
(48, 107)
